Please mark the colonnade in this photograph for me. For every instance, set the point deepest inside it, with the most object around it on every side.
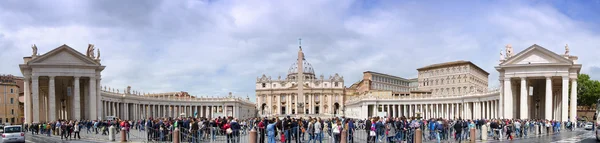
(452, 110)
(135, 111)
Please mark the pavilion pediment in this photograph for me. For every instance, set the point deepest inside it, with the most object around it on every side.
(63, 55)
(536, 55)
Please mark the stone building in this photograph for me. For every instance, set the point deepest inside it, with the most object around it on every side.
(453, 78)
(535, 84)
(374, 81)
(10, 112)
(65, 84)
(300, 93)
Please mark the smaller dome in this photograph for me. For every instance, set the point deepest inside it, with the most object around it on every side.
(308, 69)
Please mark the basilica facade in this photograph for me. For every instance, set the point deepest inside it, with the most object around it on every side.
(300, 93)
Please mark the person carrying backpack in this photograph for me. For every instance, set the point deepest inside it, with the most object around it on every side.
(438, 130)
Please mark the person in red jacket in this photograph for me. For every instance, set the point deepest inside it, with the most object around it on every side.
(225, 127)
(261, 129)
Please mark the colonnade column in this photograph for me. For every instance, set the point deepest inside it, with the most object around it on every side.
(35, 85)
(524, 107)
(93, 95)
(76, 101)
(52, 98)
(422, 111)
(506, 100)
(564, 102)
(548, 103)
(573, 100)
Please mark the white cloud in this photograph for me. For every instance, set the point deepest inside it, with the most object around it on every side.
(212, 48)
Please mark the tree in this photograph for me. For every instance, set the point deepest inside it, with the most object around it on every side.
(588, 91)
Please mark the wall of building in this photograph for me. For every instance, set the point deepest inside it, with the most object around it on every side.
(9, 101)
(453, 79)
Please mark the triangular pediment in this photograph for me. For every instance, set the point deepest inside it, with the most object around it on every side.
(536, 55)
(63, 55)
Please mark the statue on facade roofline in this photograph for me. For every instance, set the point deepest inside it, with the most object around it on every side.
(567, 49)
(509, 51)
(90, 51)
(34, 50)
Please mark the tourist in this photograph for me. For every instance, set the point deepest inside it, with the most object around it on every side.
(311, 131)
(390, 130)
(351, 128)
(271, 131)
(373, 132)
(509, 131)
(318, 131)
(458, 128)
(235, 127)
(336, 129)
(262, 129)
(76, 130)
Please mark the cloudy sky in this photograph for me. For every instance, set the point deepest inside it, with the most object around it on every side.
(212, 47)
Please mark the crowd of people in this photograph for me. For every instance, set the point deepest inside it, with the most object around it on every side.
(70, 129)
(400, 129)
(287, 130)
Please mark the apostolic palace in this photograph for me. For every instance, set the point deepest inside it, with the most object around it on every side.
(534, 84)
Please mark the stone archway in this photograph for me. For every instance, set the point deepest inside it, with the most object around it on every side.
(336, 108)
(263, 108)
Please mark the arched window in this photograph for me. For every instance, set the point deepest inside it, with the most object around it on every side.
(264, 85)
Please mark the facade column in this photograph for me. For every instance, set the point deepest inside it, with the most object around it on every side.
(478, 110)
(524, 107)
(393, 113)
(311, 101)
(437, 111)
(429, 111)
(76, 101)
(93, 105)
(495, 109)
(52, 98)
(35, 88)
(507, 107)
(573, 114)
(119, 110)
(410, 113)
(27, 94)
(422, 111)
(104, 107)
(564, 105)
(548, 103)
(450, 110)
(447, 115)
(406, 111)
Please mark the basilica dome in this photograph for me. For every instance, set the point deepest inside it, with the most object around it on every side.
(308, 69)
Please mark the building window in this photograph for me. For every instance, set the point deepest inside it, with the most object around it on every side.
(11, 90)
(336, 84)
(11, 100)
(264, 85)
(12, 111)
(274, 85)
